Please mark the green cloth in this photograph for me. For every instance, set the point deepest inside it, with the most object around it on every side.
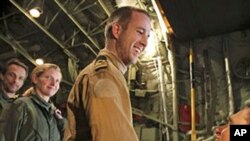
(32, 119)
(5, 101)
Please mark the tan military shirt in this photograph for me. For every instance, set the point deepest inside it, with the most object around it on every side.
(101, 92)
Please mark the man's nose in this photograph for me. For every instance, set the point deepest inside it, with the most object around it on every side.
(144, 41)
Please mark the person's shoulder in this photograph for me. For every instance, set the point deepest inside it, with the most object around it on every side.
(23, 100)
(101, 64)
(98, 69)
(98, 65)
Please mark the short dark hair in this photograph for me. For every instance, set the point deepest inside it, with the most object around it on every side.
(16, 61)
(121, 15)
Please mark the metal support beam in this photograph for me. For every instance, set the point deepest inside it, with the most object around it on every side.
(163, 96)
(16, 46)
(67, 52)
(141, 113)
(104, 7)
(77, 24)
(192, 93)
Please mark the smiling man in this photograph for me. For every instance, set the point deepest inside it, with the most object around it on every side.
(34, 116)
(13, 76)
(99, 107)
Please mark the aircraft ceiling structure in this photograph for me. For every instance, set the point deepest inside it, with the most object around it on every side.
(68, 32)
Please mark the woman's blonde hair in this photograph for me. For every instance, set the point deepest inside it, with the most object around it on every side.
(28, 92)
(40, 69)
(37, 72)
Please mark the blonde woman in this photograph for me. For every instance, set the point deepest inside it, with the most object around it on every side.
(34, 116)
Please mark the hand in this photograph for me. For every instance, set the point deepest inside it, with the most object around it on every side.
(58, 114)
(219, 131)
(222, 133)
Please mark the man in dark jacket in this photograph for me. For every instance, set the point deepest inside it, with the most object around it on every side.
(14, 73)
(34, 116)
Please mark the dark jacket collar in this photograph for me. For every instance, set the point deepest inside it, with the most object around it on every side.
(41, 102)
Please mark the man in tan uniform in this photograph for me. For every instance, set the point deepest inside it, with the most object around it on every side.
(99, 107)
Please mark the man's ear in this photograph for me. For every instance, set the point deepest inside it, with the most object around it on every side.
(34, 79)
(116, 30)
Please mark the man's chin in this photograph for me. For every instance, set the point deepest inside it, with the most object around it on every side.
(134, 60)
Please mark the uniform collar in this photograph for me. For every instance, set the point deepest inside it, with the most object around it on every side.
(114, 59)
(7, 98)
(38, 100)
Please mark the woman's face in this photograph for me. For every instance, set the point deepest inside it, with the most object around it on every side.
(48, 83)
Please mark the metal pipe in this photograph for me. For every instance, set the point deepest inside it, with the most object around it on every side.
(72, 36)
(172, 62)
(163, 96)
(45, 31)
(52, 20)
(94, 29)
(77, 24)
(84, 8)
(206, 90)
(8, 15)
(104, 7)
(141, 113)
(229, 83)
(78, 5)
(192, 92)
(16, 46)
(171, 51)
(91, 49)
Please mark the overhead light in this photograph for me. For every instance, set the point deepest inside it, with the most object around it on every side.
(35, 8)
(39, 61)
(35, 12)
